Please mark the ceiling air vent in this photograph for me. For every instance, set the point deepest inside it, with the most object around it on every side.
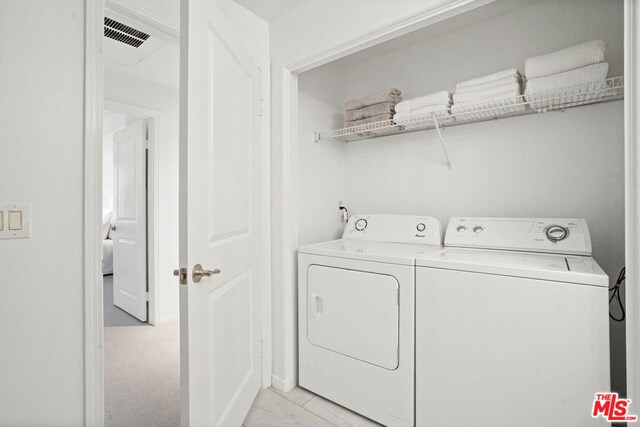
(123, 33)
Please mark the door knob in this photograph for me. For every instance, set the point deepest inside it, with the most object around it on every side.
(199, 273)
(113, 227)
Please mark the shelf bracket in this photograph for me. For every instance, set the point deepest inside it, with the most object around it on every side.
(444, 148)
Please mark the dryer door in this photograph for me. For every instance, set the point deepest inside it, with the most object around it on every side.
(354, 313)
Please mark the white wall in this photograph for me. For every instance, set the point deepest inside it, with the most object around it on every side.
(164, 100)
(558, 164)
(322, 168)
(41, 162)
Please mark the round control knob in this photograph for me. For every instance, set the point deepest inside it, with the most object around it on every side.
(478, 228)
(461, 228)
(556, 233)
(361, 224)
(421, 227)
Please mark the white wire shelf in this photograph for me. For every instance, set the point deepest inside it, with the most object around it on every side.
(611, 89)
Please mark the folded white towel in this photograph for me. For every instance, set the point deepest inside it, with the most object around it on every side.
(575, 87)
(435, 110)
(596, 73)
(385, 95)
(564, 60)
(439, 98)
(490, 85)
(506, 91)
(489, 78)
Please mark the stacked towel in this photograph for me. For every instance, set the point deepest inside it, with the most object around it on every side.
(502, 90)
(568, 77)
(372, 108)
(422, 109)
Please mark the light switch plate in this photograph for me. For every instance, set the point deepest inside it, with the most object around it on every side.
(13, 215)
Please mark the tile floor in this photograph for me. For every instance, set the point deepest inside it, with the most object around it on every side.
(299, 407)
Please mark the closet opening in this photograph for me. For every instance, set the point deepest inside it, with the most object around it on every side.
(565, 163)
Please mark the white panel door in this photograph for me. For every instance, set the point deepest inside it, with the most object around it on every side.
(129, 229)
(219, 206)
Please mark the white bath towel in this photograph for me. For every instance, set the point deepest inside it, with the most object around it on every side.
(506, 91)
(489, 78)
(490, 85)
(435, 110)
(596, 73)
(575, 87)
(385, 95)
(439, 98)
(563, 60)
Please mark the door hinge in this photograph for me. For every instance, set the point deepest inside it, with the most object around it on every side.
(260, 107)
(146, 144)
(261, 348)
(146, 296)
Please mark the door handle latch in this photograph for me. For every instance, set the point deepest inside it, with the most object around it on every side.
(112, 227)
(199, 273)
(182, 274)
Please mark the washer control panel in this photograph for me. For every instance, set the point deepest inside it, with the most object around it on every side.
(549, 235)
(395, 228)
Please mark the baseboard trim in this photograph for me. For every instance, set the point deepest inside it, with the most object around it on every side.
(279, 384)
(168, 319)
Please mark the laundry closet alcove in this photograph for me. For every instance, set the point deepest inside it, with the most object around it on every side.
(558, 164)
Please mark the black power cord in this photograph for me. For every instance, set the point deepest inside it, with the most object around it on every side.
(615, 293)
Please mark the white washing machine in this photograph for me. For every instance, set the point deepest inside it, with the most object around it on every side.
(356, 314)
(512, 326)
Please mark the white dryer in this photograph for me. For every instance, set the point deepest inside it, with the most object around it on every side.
(356, 314)
(512, 326)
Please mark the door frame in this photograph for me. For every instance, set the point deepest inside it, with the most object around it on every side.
(632, 195)
(152, 172)
(92, 202)
(287, 211)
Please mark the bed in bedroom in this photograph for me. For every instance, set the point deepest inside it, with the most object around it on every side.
(107, 245)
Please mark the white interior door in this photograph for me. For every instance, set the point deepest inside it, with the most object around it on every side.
(129, 225)
(220, 203)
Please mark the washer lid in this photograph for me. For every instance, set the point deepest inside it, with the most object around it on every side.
(391, 253)
(560, 268)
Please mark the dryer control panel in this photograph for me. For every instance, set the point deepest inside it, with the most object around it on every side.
(550, 235)
(425, 230)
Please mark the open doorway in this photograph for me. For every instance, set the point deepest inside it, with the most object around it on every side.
(140, 220)
(142, 381)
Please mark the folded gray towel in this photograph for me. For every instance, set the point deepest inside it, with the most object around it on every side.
(386, 95)
(374, 119)
(370, 111)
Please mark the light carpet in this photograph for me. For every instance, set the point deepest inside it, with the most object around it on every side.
(142, 369)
